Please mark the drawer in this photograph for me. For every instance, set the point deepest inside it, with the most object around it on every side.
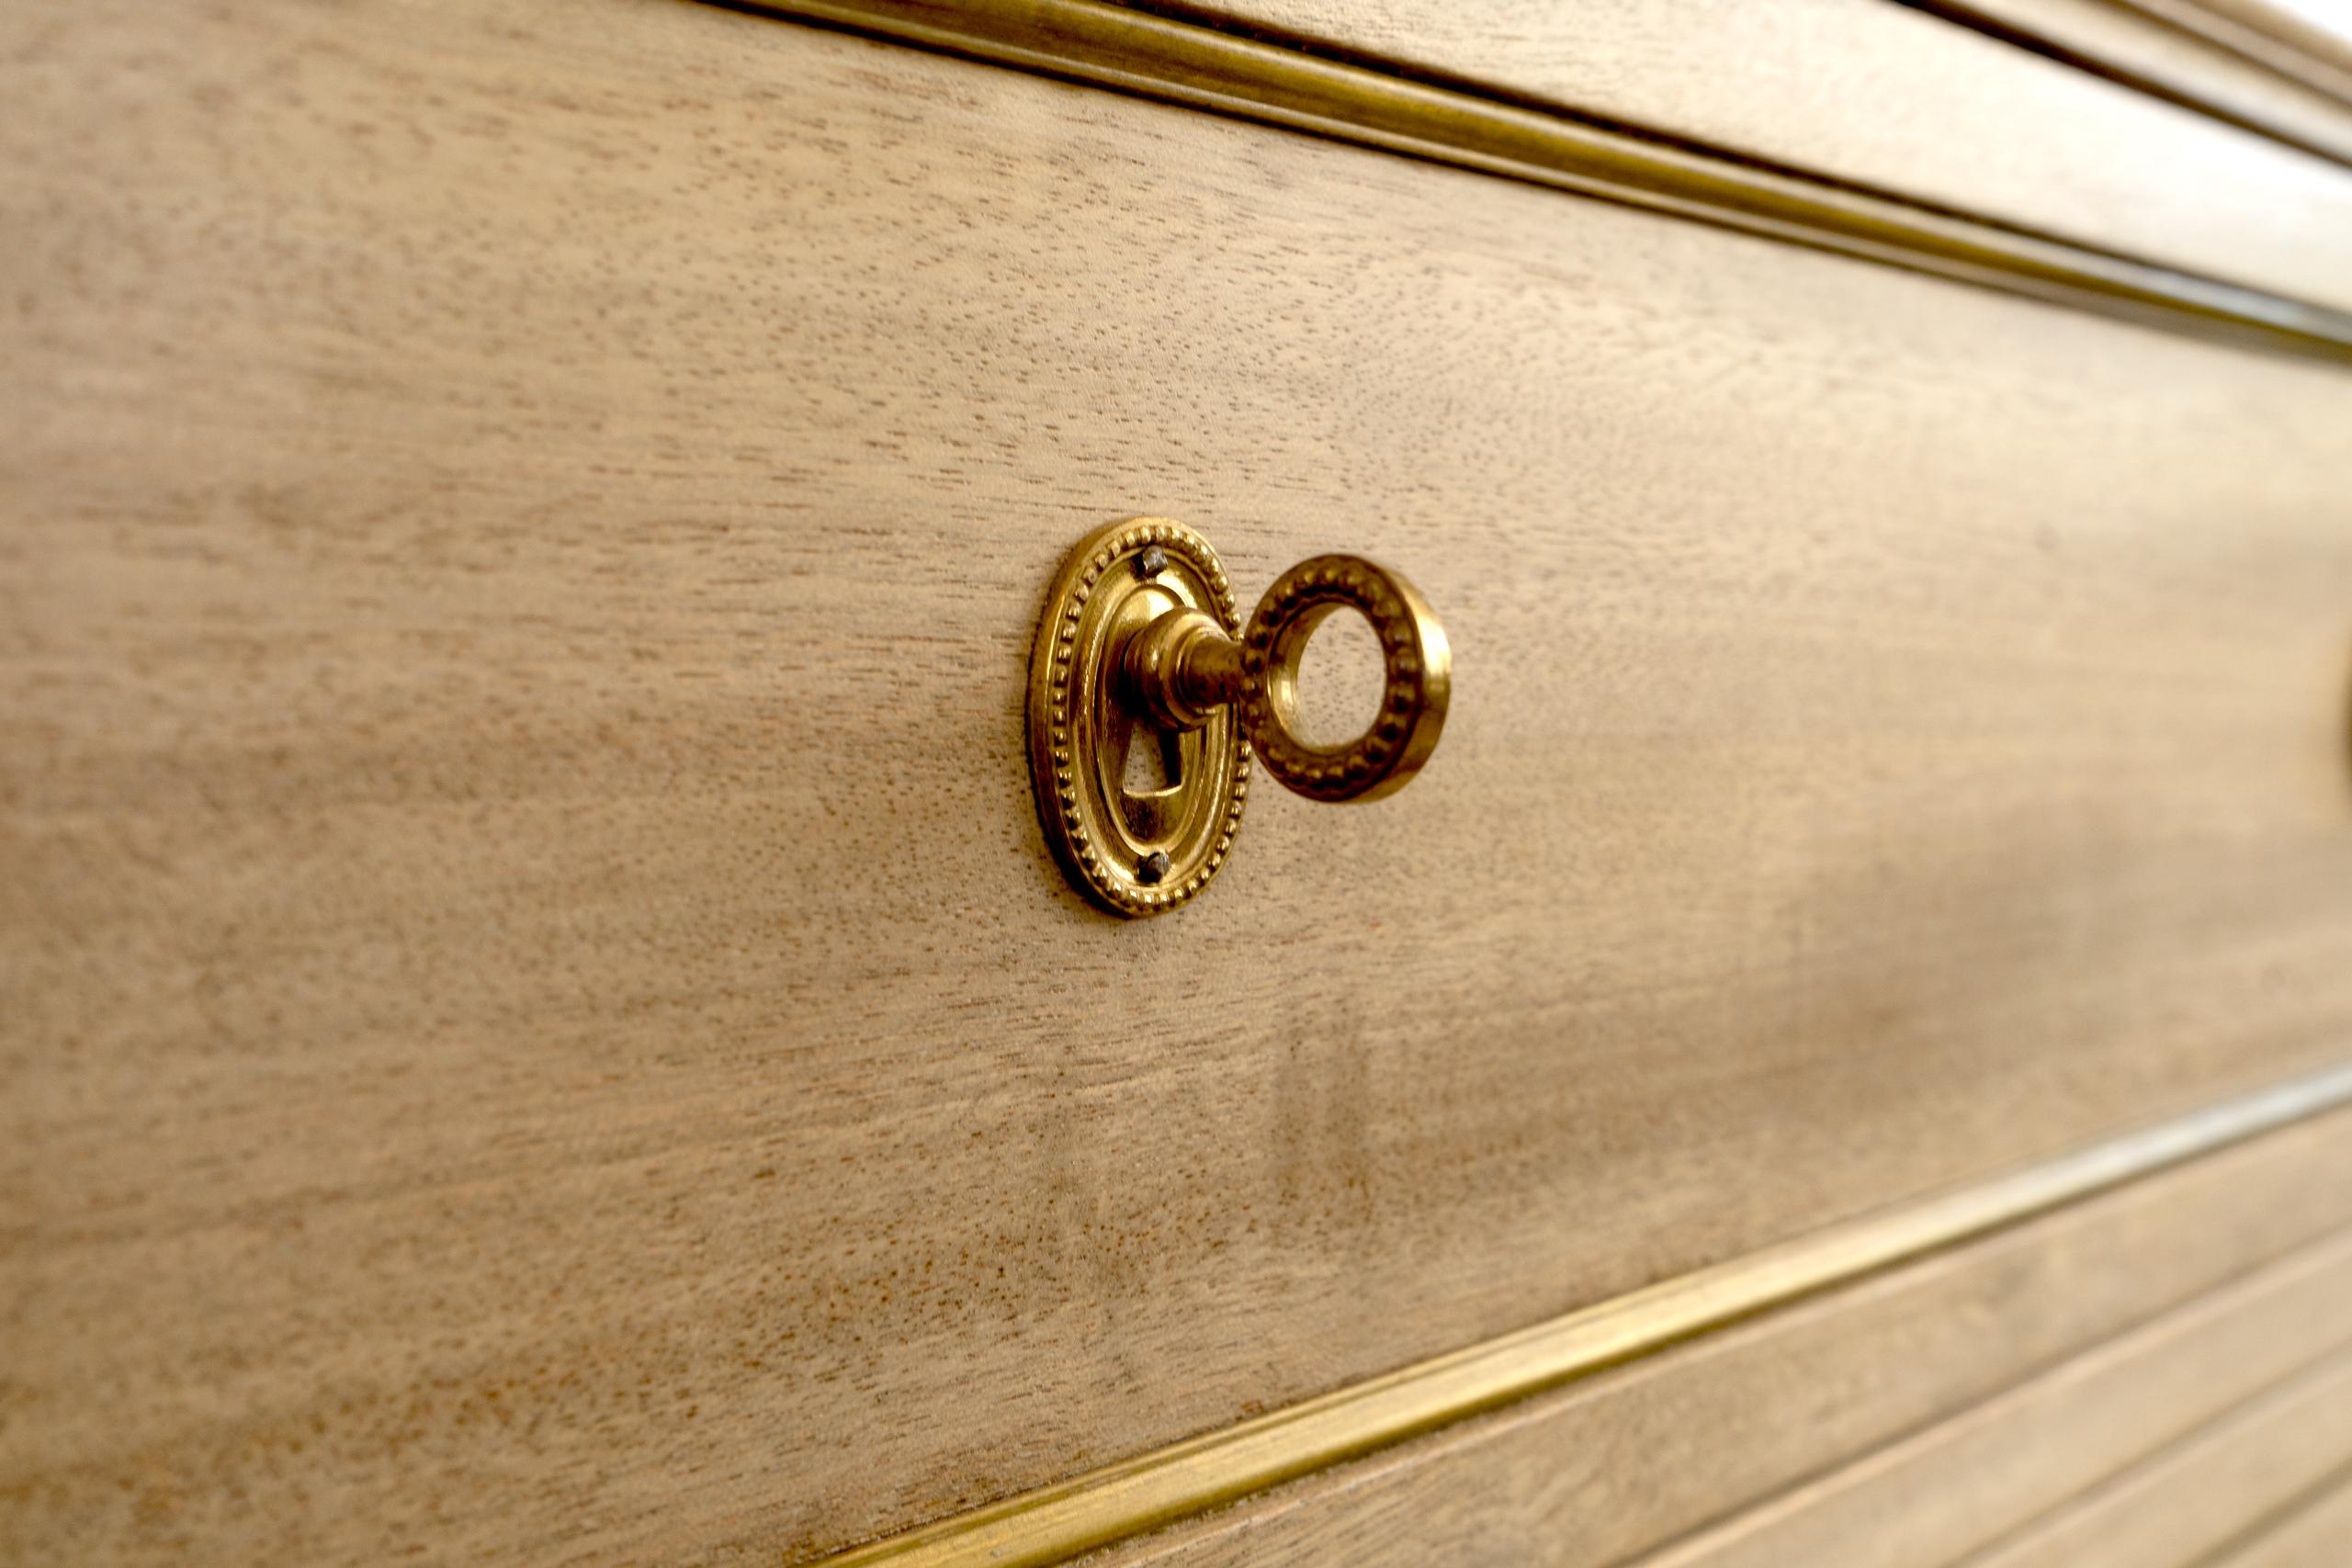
(2102, 123)
(2212, 1491)
(2153, 1449)
(1908, 1417)
(544, 1023)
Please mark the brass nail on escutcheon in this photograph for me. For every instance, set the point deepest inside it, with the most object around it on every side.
(1141, 645)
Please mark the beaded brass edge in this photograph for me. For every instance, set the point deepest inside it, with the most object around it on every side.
(1417, 676)
(1120, 1501)
(1202, 67)
(1057, 755)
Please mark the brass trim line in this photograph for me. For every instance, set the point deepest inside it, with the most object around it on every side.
(1120, 1501)
(1387, 106)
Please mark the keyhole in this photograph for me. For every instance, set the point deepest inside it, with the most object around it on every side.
(1154, 761)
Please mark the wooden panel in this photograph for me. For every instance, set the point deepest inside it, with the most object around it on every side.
(1228, 71)
(1960, 1486)
(2141, 44)
(2317, 1533)
(2198, 1496)
(2311, 39)
(1897, 98)
(539, 1020)
(1618, 1464)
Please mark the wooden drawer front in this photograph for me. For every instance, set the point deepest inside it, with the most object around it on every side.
(541, 1022)
(2209, 1490)
(1871, 93)
(1952, 1399)
(2236, 1380)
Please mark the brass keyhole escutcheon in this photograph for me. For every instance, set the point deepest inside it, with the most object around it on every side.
(1141, 645)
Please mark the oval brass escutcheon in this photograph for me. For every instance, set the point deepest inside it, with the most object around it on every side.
(1134, 852)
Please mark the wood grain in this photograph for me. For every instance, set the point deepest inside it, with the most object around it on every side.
(539, 1022)
(1302, 88)
(2197, 1497)
(1880, 94)
(1619, 1464)
(1965, 1484)
(1041, 1529)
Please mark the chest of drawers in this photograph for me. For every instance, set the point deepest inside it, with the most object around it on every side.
(542, 1024)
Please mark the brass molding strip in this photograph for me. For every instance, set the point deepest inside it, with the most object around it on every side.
(1385, 106)
(1119, 1501)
